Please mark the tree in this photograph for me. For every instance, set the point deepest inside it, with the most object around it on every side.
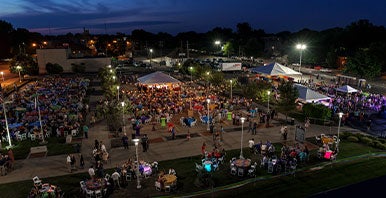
(54, 68)
(29, 66)
(363, 64)
(288, 95)
(256, 90)
(216, 78)
(319, 111)
(228, 49)
(78, 68)
(5, 39)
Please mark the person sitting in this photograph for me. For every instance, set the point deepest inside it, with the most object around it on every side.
(172, 171)
(115, 176)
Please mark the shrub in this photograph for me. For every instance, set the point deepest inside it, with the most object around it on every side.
(353, 139)
(366, 140)
(344, 135)
(381, 146)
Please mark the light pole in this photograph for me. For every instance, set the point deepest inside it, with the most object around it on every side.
(19, 69)
(118, 92)
(114, 78)
(6, 123)
(151, 55)
(136, 153)
(231, 87)
(123, 117)
(191, 71)
(2, 75)
(207, 102)
(340, 114)
(242, 135)
(301, 47)
(269, 93)
(218, 43)
(208, 84)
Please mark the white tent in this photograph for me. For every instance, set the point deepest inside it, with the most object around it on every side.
(157, 78)
(346, 89)
(275, 69)
(308, 95)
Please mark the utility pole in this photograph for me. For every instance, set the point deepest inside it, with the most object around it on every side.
(187, 49)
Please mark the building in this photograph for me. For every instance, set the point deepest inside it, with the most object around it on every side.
(66, 58)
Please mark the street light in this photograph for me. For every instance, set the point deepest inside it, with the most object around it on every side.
(208, 84)
(207, 102)
(218, 43)
(191, 71)
(2, 75)
(231, 87)
(123, 117)
(151, 55)
(301, 47)
(19, 69)
(6, 123)
(136, 153)
(269, 93)
(118, 92)
(242, 134)
(340, 114)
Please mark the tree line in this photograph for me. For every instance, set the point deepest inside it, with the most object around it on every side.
(361, 42)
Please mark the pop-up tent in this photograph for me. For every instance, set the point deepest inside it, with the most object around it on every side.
(275, 69)
(346, 89)
(158, 78)
(308, 95)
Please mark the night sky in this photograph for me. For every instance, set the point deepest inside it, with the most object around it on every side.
(174, 16)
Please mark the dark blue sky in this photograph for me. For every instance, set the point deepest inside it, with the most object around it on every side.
(173, 16)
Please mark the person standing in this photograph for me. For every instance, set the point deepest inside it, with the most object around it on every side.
(173, 133)
(144, 140)
(68, 163)
(250, 125)
(91, 172)
(251, 144)
(254, 128)
(73, 161)
(125, 141)
(81, 161)
(85, 131)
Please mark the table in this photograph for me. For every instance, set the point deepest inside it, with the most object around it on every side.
(207, 164)
(169, 179)
(327, 140)
(242, 163)
(96, 184)
(46, 190)
(205, 119)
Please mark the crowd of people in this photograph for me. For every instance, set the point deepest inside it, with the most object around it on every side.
(56, 103)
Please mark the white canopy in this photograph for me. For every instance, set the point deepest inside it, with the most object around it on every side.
(308, 95)
(346, 89)
(157, 78)
(275, 69)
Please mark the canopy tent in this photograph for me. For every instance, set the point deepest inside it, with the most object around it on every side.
(346, 89)
(308, 95)
(157, 78)
(275, 69)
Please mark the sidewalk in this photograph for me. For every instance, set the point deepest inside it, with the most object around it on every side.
(160, 148)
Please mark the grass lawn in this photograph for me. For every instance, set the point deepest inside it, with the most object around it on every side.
(347, 170)
(55, 146)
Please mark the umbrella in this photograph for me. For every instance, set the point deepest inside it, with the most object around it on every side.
(20, 109)
(15, 125)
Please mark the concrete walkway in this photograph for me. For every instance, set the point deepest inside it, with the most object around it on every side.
(160, 148)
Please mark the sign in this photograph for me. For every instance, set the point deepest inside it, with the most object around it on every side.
(68, 139)
(299, 134)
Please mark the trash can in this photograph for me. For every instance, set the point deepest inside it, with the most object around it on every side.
(293, 121)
